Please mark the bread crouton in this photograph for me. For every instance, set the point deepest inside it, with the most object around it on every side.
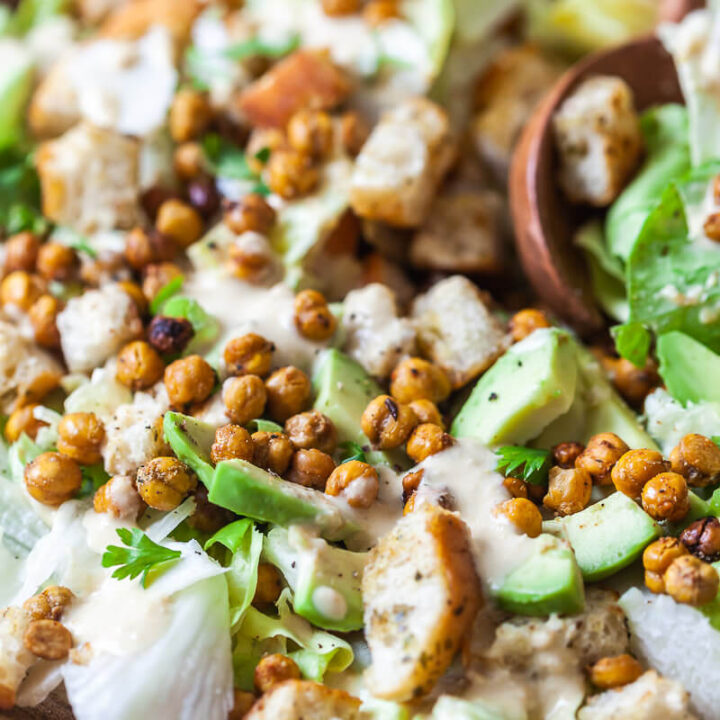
(421, 594)
(15, 658)
(597, 133)
(93, 11)
(402, 163)
(456, 329)
(54, 107)
(303, 700)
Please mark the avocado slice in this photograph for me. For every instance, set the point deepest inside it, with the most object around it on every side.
(527, 388)
(686, 365)
(191, 440)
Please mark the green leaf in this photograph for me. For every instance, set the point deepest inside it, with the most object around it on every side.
(229, 161)
(352, 451)
(527, 464)
(263, 155)
(205, 326)
(716, 439)
(93, 477)
(632, 342)
(255, 46)
(261, 425)
(165, 293)
(19, 193)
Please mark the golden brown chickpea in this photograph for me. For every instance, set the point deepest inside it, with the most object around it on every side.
(311, 468)
(310, 132)
(634, 469)
(355, 481)
(21, 252)
(387, 423)
(244, 397)
(249, 354)
(180, 222)
(613, 672)
(288, 393)
(262, 140)
(691, 581)
(189, 380)
(139, 366)
(190, 115)
(164, 482)
(568, 490)
(48, 639)
(516, 487)
(665, 497)
(251, 259)
(632, 382)
(426, 411)
(23, 420)
(565, 454)
(340, 7)
(274, 669)
(417, 379)
(56, 261)
(207, 517)
(702, 539)
(37, 607)
(425, 440)
(272, 451)
(711, 226)
(156, 276)
(58, 598)
(312, 429)
(21, 289)
(146, 248)
(654, 582)
(527, 321)
(409, 506)
(252, 214)
(80, 436)
(189, 161)
(242, 702)
(313, 318)
(658, 555)
(602, 452)
(269, 585)
(52, 478)
(136, 295)
(291, 174)
(354, 132)
(231, 442)
(169, 334)
(377, 12)
(43, 318)
(523, 514)
(118, 497)
(411, 482)
(697, 459)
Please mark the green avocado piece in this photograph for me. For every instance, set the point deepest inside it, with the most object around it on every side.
(527, 388)
(690, 370)
(191, 440)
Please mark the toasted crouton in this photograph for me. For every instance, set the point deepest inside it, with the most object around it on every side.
(302, 700)
(456, 329)
(15, 659)
(597, 132)
(421, 594)
(402, 163)
(54, 106)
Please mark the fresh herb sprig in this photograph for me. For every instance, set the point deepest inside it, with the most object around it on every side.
(352, 451)
(139, 557)
(529, 464)
(229, 161)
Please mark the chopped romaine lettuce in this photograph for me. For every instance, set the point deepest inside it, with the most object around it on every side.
(205, 326)
(632, 342)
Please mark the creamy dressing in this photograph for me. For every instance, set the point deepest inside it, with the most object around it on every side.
(329, 602)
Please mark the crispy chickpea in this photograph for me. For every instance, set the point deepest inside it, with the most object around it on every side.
(43, 318)
(355, 481)
(156, 276)
(56, 261)
(180, 222)
(23, 420)
(565, 454)
(249, 354)
(411, 482)
(136, 295)
(21, 289)
(340, 7)
(311, 468)
(702, 539)
(272, 451)
(523, 514)
(634, 469)
(377, 12)
(697, 459)
(251, 259)
(613, 672)
(52, 478)
(37, 607)
(654, 582)
(274, 669)
(58, 598)
(145, 248)
(658, 555)
(261, 141)
(354, 132)
(527, 321)
(426, 411)
(189, 380)
(231, 442)
(516, 487)
(164, 482)
(139, 366)
(190, 115)
(417, 379)
(665, 497)
(311, 429)
(288, 393)
(189, 161)
(602, 452)
(632, 382)
(310, 132)
(207, 517)
(169, 334)
(269, 585)
(118, 497)
(387, 423)
(691, 581)
(244, 397)
(711, 226)
(568, 490)
(48, 639)
(313, 317)
(252, 214)
(242, 702)
(80, 435)
(21, 252)
(291, 174)
(425, 440)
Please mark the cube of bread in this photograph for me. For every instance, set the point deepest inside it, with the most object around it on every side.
(15, 658)
(402, 163)
(54, 107)
(597, 133)
(457, 330)
(305, 700)
(421, 594)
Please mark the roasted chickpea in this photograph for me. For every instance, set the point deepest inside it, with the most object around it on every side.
(207, 517)
(37, 607)
(417, 379)
(516, 487)
(311, 468)
(387, 423)
(613, 672)
(377, 12)
(242, 702)
(355, 481)
(632, 382)
(58, 598)
(269, 585)
(23, 420)
(654, 582)
(313, 318)
(411, 482)
(354, 132)
(244, 397)
(56, 261)
(697, 459)
(136, 295)
(565, 454)
(527, 321)
(80, 436)
(602, 452)
(52, 478)
(118, 497)
(190, 115)
(291, 174)
(231, 442)
(48, 639)
(523, 514)
(251, 259)
(260, 142)
(189, 380)
(312, 429)
(702, 539)
(426, 411)
(156, 276)
(340, 7)
(658, 555)
(425, 440)
(691, 581)
(252, 214)
(170, 335)
(189, 161)
(248, 354)
(274, 669)
(711, 226)
(146, 248)
(21, 289)
(568, 490)
(635, 468)
(180, 222)
(310, 132)
(288, 393)
(21, 252)
(272, 451)
(139, 366)
(665, 497)
(43, 318)
(164, 482)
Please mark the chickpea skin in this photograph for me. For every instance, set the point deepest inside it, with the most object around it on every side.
(602, 452)
(635, 468)
(56, 261)
(231, 442)
(613, 672)
(274, 669)
(269, 585)
(516, 487)
(145, 248)
(189, 380)
(568, 490)
(665, 497)
(632, 382)
(426, 411)
(249, 354)
(311, 468)
(180, 222)
(48, 639)
(272, 451)
(425, 440)
(697, 459)
(312, 429)
(157, 276)
(23, 420)
(387, 423)
(523, 514)
(21, 289)
(244, 397)
(355, 481)
(658, 555)
(169, 335)
(691, 581)
(565, 454)
(80, 436)
(21, 252)
(310, 132)
(527, 321)
(37, 607)
(288, 393)
(52, 478)
(118, 497)
(189, 161)
(354, 132)
(58, 598)
(411, 482)
(43, 318)
(164, 482)
(139, 366)
(313, 318)
(190, 115)
(417, 379)
(252, 213)
(291, 174)
(702, 539)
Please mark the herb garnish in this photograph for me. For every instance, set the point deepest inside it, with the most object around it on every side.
(139, 557)
(529, 464)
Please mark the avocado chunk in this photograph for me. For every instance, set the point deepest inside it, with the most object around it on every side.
(688, 368)
(609, 535)
(549, 581)
(527, 388)
(191, 440)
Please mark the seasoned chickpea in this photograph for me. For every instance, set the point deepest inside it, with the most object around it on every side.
(80, 436)
(272, 451)
(527, 321)
(291, 174)
(377, 12)
(56, 261)
(274, 669)
(139, 366)
(568, 490)
(269, 585)
(249, 354)
(118, 497)
(632, 382)
(613, 672)
(208, 517)
(145, 248)
(58, 598)
(189, 380)
(340, 7)
(244, 397)
(658, 555)
(21, 252)
(523, 514)
(602, 452)
(310, 132)
(242, 702)
(37, 607)
(565, 454)
(170, 335)
(180, 222)
(387, 423)
(516, 487)
(312, 429)
(691, 581)
(313, 317)
(354, 132)
(23, 420)
(136, 295)
(697, 459)
(189, 161)
(425, 440)
(156, 276)
(48, 639)
(411, 482)
(288, 393)
(231, 442)
(417, 379)
(654, 582)
(251, 259)
(252, 214)
(426, 411)
(260, 142)
(52, 478)
(164, 482)
(43, 318)
(21, 289)
(711, 226)
(311, 468)
(665, 497)
(190, 115)
(355, 481)
(702, 539)
(635, 468)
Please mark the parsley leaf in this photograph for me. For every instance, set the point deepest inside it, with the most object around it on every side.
(352, 451)
(139, 557)
(632, 342)
(524, 463)
(255, 46)
(165, 293)
(93, 476)
(229, 161)
(19, 194)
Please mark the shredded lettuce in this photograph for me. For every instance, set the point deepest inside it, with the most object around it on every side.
(20, 526)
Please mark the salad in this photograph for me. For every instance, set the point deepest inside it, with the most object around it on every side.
(284, 432)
